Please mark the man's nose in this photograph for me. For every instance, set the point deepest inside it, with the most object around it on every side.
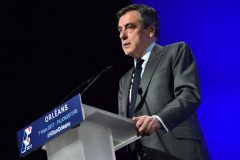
(123, 35)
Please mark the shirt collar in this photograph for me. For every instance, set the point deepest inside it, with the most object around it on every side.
(147, 53)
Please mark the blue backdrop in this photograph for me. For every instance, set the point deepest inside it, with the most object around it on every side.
(212, 30)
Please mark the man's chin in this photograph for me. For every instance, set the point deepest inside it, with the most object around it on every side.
(128, 53)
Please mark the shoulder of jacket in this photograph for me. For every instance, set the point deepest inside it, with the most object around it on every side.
(176, 45)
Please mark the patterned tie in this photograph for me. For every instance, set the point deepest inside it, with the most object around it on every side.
(135, 86)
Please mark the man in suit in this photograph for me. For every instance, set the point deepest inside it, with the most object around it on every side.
(164, 99)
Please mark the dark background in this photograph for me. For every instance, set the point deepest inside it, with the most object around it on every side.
(48, 48)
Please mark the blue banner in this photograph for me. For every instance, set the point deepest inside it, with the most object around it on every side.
(52, 124)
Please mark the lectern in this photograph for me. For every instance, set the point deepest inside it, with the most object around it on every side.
(96, 138)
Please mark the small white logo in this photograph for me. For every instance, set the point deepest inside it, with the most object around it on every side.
(26, 139)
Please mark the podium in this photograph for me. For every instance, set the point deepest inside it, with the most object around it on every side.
(96, 138)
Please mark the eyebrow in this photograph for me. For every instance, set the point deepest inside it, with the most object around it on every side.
(127, 24)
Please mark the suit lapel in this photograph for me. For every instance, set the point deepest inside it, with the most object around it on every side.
(151, 65)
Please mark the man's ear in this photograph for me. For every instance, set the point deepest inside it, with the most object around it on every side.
(151, 31)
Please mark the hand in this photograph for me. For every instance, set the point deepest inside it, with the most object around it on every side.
(146, 125)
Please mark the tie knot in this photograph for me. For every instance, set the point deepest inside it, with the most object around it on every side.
(139, 62)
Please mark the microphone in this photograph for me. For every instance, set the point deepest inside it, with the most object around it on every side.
(79, 86)
(108, 68)
(90, 81)
(140, 92)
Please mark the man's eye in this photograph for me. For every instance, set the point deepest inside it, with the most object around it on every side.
(130, 27)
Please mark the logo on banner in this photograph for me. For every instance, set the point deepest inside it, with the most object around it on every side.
(26, 145)
(50, 125)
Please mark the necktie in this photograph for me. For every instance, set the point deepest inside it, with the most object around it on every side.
(135, 86)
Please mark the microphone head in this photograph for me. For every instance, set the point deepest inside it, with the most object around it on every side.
(109, 68)
(90, 79)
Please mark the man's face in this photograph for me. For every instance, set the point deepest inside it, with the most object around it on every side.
(134, 38)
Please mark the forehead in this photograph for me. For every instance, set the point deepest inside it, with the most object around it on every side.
(129, 17)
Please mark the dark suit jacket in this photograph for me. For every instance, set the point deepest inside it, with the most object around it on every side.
(169, 88)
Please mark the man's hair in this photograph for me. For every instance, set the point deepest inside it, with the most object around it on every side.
(148, 15)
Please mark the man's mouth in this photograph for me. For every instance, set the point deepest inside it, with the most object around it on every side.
(126, 44)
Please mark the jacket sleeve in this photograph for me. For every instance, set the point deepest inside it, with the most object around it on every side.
(186, 88)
